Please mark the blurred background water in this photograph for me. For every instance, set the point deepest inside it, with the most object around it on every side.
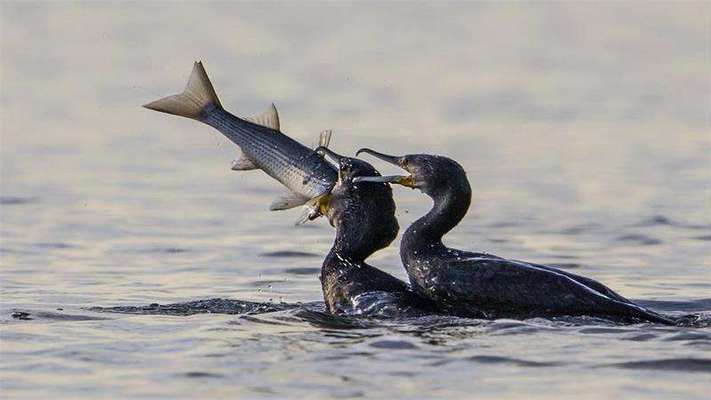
(585, 129)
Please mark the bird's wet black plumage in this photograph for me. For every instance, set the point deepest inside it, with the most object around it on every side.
(483, 285)
(364, 217)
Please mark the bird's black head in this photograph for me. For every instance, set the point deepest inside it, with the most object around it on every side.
(363, 213)
(349, 168)
(433, 175)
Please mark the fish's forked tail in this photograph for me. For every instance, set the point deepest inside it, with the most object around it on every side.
(198, 95)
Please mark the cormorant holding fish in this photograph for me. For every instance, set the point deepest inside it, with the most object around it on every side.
(364, 217)
(479, 284)
(363, 214)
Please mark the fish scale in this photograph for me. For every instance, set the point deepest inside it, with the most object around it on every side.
(278, 155)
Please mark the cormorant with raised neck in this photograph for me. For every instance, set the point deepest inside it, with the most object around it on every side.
(364, 217)
(483, 285)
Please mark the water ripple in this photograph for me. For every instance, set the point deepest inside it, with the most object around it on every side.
(17, 200)
(289, 254)
(303, 271)
(202, 374)
(393, 345)
(28, 315)
(671, 364)
(490, 359)
(514, 361)
(215, 306)
(638, 240)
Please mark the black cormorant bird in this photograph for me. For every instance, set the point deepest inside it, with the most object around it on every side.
(483, 285)
(364, 217)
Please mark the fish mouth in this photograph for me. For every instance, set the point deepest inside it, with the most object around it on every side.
(330, 156)
(404, 180)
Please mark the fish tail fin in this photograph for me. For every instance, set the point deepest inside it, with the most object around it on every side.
(197, 96)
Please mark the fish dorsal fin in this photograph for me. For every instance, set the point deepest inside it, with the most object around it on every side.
(287, 201)
(268, 119)
(324, 138)
(242, 162)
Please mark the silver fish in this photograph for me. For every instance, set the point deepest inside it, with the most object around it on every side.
(261, 144)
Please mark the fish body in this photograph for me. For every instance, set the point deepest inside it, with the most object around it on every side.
(261, 143)
(296, 166)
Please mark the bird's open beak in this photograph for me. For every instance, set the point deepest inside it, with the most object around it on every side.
(399, 179)
(395, 160)
(404, 180)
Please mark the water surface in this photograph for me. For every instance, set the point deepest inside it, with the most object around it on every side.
(585, 130)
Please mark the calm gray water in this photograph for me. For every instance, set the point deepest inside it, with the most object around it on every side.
(585, 130)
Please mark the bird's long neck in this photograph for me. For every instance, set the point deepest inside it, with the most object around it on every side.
(344, 246)
(365, 222)
(351, 243)
(449, 208)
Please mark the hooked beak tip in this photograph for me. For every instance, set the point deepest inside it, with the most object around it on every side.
(362, 150)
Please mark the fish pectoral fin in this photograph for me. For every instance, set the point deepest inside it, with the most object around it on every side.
(268, 119)
(287, 201)
(313, 209)
(308, 214)
(242, 162)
